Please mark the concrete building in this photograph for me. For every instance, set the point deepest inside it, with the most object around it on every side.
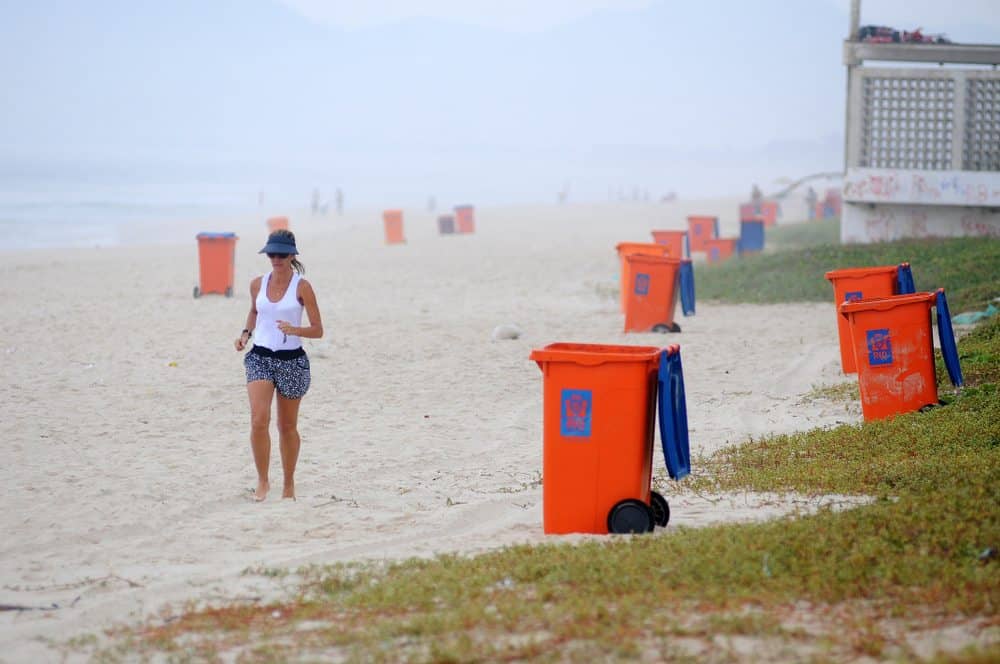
(922, 153)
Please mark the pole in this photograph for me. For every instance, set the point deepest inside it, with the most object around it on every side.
(852, 35)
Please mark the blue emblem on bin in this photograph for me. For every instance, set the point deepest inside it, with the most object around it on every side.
(575, 407)
(642, 284)
(853, 296)
(879, 347)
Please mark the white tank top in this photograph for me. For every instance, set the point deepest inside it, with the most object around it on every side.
(266, 333)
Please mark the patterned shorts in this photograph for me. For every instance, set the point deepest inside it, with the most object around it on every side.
(290, 377)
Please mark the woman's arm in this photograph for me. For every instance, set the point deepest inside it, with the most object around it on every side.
(251, 323)
(308, 299)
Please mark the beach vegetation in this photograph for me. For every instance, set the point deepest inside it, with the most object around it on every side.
(965, 267)
(846, 391)
(919, 558)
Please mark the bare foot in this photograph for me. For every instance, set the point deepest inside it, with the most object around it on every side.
(288, 492)
(262, 488)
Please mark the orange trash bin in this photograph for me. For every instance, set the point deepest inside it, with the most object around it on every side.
(392, 221)
(626, 249)
(676, 241)
(719, 249)
(216, 263)
(701, 229)
(465, 219)
(855, 284)
(652, 294)
(768, 211)
(598, 404)
(277, 223)
(893, 348)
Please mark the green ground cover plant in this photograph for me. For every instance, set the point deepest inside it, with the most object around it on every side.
(819, 585)
(965, 267)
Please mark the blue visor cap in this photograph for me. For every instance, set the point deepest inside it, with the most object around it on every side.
(279, 245)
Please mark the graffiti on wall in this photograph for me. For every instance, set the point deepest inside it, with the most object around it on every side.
(869, 185)
(978, 225)
(887, 222)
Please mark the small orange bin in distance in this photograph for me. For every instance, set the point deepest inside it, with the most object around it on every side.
(651, 299)
(749, 212)
(718, 249)
(276, 224)
(676, 241)
(392, 221)
(626, 249)
(701, 229)
(465, 219)
(894, 349)
(853, 284)
(769, 213)
(216, 263)
(598, 403)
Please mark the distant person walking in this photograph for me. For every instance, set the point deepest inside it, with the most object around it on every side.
(314, 204)
(811, 199)
(277, 362)
(756, 196)
(339, 200)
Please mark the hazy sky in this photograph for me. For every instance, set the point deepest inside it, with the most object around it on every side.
(395, 100)
(535, 15)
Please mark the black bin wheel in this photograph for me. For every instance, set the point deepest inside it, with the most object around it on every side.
(197, 292)
(229, 291)
(663, 327)
(630, 516)
(661, 510)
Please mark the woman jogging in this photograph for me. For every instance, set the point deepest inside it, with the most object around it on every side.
(277, 362)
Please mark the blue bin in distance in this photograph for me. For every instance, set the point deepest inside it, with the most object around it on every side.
(751, 236)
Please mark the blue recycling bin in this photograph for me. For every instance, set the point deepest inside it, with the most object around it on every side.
(751, 236)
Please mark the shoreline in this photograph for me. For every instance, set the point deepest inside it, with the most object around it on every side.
(246, 219)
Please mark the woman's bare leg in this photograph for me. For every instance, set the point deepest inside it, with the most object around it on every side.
(288, 437)
(261, 393)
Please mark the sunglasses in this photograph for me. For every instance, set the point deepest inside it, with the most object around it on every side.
(278, 256)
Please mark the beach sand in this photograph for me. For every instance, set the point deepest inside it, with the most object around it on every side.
(128, 469)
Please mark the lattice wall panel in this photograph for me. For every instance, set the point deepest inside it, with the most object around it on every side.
(981, 147)
(907, 123)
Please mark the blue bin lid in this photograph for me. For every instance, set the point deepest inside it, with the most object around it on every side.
(209, 235)
(949, 349)
(673, 414)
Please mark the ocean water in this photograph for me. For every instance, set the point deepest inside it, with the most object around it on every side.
(83, 214)
(126, 199)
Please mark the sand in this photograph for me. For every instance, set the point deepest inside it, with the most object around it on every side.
(128, 469)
